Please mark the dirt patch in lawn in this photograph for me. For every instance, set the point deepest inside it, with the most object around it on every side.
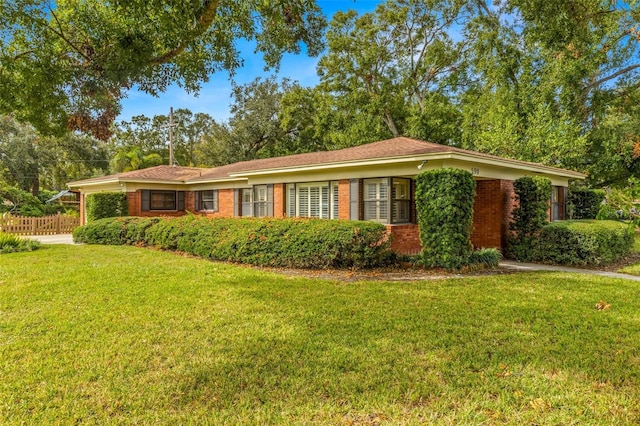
(398, 273)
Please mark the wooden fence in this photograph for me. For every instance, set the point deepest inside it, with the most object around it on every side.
(46, 225)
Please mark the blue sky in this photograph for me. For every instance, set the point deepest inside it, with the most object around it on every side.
(214, 97)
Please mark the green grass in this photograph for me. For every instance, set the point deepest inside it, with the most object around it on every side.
(121, 335)
(633, 269)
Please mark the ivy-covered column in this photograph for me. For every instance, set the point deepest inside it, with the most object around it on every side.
(533, 194)
(106, 204)
(444, 200)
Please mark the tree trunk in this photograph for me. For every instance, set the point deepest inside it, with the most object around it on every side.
(391, 124)
(35, 185)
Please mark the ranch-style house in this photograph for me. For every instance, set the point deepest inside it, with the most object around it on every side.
(375, 182)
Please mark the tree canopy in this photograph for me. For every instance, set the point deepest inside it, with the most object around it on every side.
(66, 65)
(551, 82)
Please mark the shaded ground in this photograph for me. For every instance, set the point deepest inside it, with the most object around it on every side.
(411, 273)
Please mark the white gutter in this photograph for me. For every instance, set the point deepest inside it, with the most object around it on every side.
(439, 156)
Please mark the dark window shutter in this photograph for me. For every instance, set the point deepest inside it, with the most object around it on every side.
(146, 200)
(354, 199)
(236, 202)
(180, 204)
(196, 200)
(270, 200)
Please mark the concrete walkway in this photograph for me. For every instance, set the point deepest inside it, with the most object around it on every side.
(52, 239)
(519, 266)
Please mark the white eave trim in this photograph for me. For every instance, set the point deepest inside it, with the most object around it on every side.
(125, 181)
(532, 167)
(513, 164)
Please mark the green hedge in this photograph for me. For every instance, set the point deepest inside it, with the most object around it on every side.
(532, 196)
(444, 201)
(585, 242)
(297, 243)
(585, 203)
(106, 204)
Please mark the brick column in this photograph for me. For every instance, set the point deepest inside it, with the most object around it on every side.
(343, 199)
(134, 202)
(278, 200)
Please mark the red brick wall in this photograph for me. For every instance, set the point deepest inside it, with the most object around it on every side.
(134, 201)
(82, 209)
(405, 239)
(278, 200)
(343, 199)
(491, 213)
(225, 204)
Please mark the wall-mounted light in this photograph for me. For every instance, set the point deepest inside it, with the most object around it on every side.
(421, 165)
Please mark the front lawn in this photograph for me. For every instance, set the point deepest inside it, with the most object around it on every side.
(113, 335)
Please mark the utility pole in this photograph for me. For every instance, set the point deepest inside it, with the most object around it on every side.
(171, 159)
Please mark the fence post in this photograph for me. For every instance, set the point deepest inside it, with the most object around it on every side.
(58, 220)
(34, 226)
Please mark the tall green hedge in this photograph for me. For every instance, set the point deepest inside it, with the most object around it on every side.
(106, 204)
(297, 243)
(532, 194)
(444, 200)
(585, 203)
(584, 242)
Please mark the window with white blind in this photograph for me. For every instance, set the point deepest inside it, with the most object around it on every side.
(376, 199)
(260, 201)
(334, 200)
(400, 200)
(247, 202)
(387, 200)
(256, 201)
(207, 200)
(313, 199)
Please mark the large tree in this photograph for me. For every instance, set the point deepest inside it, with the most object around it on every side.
(144, 141)
(396, 66)
(30, 161)
(544, 75)
(67, 64)
(254, 129)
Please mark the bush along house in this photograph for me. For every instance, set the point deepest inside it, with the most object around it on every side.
(367, 182)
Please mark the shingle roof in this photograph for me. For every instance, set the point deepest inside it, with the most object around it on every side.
(396, 147)
(164, 172)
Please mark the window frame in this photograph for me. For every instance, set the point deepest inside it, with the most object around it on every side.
(146, 203)
(201, 200)
(396, 202)
(260, 204)
(325, 192)
(386, 208)
(380, 204)
(557, 203)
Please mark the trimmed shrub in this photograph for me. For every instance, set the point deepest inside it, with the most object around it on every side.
(585, 242)
(106, 204)
(12, 243)
(109, 231)
(296, 243)
(444, 200)
(585, 203)
(532, 195)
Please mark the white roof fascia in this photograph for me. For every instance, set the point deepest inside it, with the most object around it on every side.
(531, 167)
(215, 180)
(437, 156)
